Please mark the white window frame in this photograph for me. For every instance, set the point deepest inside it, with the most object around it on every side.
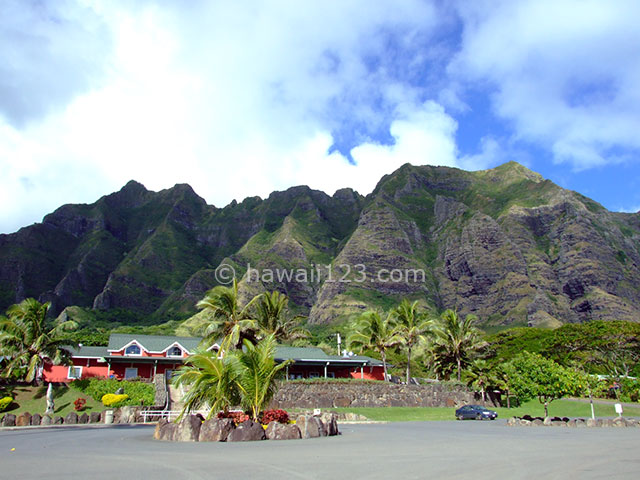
(133, 354)
(74, 368)
(170, 355)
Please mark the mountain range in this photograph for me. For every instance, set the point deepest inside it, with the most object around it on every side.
(504, 244)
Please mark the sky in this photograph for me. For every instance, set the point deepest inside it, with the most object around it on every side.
(243, 98)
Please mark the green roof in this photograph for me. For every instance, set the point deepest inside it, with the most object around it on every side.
(82, 351)
(298, 353)
(151, 343)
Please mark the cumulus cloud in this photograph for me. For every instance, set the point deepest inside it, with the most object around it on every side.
(562, 72)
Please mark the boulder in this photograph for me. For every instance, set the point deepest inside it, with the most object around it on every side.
(164, 430)
(558, 423)
(58, 420)
(512, 421)
(524, 422)
(95, 417)
(188, 430)
(281, 431)
(617, 422)
(126, 414)
(9, 420)
(46, 420)
(593, 422)
(246, 432)
(120, 391)
(330, 421)
(607, 422)
(537, 422)
(547, 421)
(310, 427)
(23, 420)
(572, 423)
(84, 418)
(581, 423)
(216, 429)
(71, 418)
(36, 419)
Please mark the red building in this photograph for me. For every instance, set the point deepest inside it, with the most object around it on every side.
(131, 356)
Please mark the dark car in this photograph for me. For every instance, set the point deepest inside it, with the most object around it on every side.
(475, 412)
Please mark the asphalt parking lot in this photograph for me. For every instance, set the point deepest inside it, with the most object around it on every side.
(456, 450)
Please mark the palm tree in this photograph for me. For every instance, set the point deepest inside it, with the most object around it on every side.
(211, 381)
(271, 317)
(411, 327)
(230, 320)
(374, 331)
(481, 376)
(28, 343)
(256, 374)
(456, 339)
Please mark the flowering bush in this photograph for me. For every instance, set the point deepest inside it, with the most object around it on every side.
(277, 415)
(238, 417)
(5, 402)
(79, 404)
(113, 400)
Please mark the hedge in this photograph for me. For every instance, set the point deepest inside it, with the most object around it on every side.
(138, 393)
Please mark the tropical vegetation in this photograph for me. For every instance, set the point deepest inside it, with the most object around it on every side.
(27, 340)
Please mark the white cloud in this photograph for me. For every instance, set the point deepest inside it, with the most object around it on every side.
(563, 72)
(235, 99)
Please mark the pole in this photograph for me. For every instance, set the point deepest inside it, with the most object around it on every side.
(339, 344)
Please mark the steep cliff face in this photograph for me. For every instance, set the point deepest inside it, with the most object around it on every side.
(505, 244)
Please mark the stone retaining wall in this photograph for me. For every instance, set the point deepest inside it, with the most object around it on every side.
(369, 394)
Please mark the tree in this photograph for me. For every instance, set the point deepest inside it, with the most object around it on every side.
(536, 376)
(212, 382)
(411, 328)
(256, 374)
(271, 318)
(481, 376)
(27, 341)
(229, 320)
(377, 332)
(456, 339)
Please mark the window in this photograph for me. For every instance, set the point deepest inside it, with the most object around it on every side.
(175, 352)
(133, 350)
(74, 373)
(130, 373)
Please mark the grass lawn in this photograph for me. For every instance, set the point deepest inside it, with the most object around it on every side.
(33, 400)
(559, 408)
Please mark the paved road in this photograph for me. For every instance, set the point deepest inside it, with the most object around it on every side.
(456, 450)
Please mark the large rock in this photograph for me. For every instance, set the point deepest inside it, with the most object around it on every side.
(84, 418)
(281, 431)
(23, 420)
(165, 430)
(593, 422)
(58, 420)
(127, 414)
(246, 432)
(71, 418)
(9, 420)
(46, 420)
(216, 429)
(188, 430)
(330, 421)
(95, 417)
(310, 426)
(36, 419)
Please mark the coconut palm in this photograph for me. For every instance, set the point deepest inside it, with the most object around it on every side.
(456, 339)
(480, 376)
(412, 328)
(271, 317)
(375, 331)
(256, 374)
(229, 319)
(27, 341)
(211, 382)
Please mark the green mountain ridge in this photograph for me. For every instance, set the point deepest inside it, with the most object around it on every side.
(504, 243)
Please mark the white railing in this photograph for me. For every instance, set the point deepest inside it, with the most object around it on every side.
(171, 414)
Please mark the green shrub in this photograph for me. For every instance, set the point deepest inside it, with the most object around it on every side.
(4, 403)
(138, 393)
(113, 400)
